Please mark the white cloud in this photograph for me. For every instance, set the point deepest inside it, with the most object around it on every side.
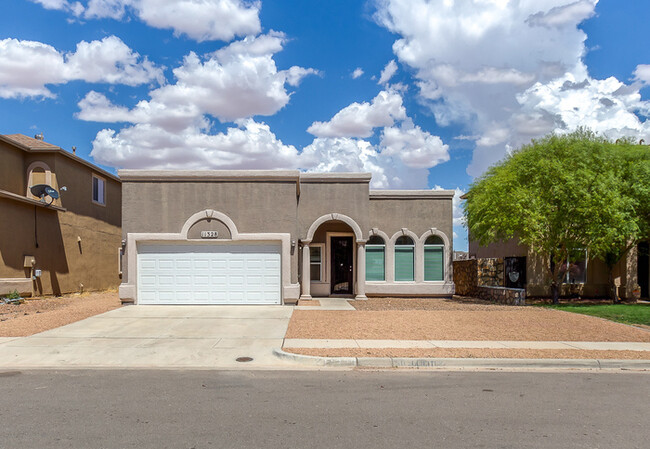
(509, 71)
(401, 159)
(172, 137)
(201, 20)
(26, 67)
(238, 81)
(360, 119)
(343, 154)
(111, 9)
(295, 74)
(76, 8)
(564, 15)
(642, 73)
(357, 73)
(388, 72)
(416, 148)
(251, 145)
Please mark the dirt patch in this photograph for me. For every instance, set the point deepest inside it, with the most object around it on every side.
(499, 323)
(476, 353)
(41, 314)
(458, 303)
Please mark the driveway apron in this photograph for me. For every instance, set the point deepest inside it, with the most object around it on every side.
(158, 337)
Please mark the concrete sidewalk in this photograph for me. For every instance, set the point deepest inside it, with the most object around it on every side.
(296, 343)
(464, 363)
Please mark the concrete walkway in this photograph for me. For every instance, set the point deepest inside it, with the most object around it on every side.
(158, 336)
(430, 344)
(329, 304)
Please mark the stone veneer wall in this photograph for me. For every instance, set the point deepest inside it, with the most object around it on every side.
(471, 277)
(465, 276)
(502, 295)
(490, 272)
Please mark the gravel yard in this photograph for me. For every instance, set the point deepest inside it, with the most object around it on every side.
(475, 353)
(439, 319)
(41, 314)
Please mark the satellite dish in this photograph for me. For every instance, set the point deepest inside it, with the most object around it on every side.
(43, 190)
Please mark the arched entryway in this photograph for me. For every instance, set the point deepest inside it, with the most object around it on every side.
(333, 258)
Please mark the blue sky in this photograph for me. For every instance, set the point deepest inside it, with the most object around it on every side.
(423, 94)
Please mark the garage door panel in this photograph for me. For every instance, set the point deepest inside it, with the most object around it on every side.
(209, 274)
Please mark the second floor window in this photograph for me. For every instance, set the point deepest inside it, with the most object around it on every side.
(99, 190)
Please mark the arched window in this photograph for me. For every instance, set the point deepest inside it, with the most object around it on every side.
(38, 173)
(434, 259)
(375, 259)
(404, 258)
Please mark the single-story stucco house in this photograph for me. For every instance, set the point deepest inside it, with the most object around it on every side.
(272, 237)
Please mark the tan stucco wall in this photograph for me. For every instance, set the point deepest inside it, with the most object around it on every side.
(65, 262)
(508, 248)
(155, 207)
(209, 225)
(418, 215)
(318, 199)
(12, 168)
(78, 197)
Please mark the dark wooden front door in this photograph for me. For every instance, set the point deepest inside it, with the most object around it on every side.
(342, 272)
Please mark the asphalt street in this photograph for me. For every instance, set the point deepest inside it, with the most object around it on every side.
(312, 409)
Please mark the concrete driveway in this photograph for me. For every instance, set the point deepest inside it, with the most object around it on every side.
(157, 336)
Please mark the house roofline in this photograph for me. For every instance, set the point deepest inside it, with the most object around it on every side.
(411, 194)
(242, 175)
(208, 175)
(58, 150)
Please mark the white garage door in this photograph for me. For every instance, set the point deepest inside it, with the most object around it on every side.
(209, 274)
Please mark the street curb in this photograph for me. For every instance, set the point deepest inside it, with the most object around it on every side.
(408, 362)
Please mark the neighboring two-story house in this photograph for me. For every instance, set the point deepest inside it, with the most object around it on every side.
(55, 246)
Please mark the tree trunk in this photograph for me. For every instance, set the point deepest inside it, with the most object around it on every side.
(613, 294)
(556, 293)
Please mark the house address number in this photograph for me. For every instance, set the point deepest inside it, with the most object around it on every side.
(209, 234)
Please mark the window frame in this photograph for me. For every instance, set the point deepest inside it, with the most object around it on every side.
(567, 273)
(103, 190)
(321, 271)
(373, 246)
(412, 247)
(424, 265)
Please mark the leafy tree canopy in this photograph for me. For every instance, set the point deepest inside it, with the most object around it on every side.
(562, 193)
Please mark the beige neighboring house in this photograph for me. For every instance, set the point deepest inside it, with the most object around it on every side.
(583, 276)
(55, 246)
(271, 237)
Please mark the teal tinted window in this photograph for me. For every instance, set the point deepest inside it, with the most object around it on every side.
(404, 259)
(433, 263)
(375, 262)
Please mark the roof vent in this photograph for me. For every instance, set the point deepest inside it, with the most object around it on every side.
(39, 136)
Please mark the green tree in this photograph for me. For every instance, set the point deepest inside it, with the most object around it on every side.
(562, 194)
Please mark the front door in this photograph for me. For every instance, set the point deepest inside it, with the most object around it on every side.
(342, 273)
